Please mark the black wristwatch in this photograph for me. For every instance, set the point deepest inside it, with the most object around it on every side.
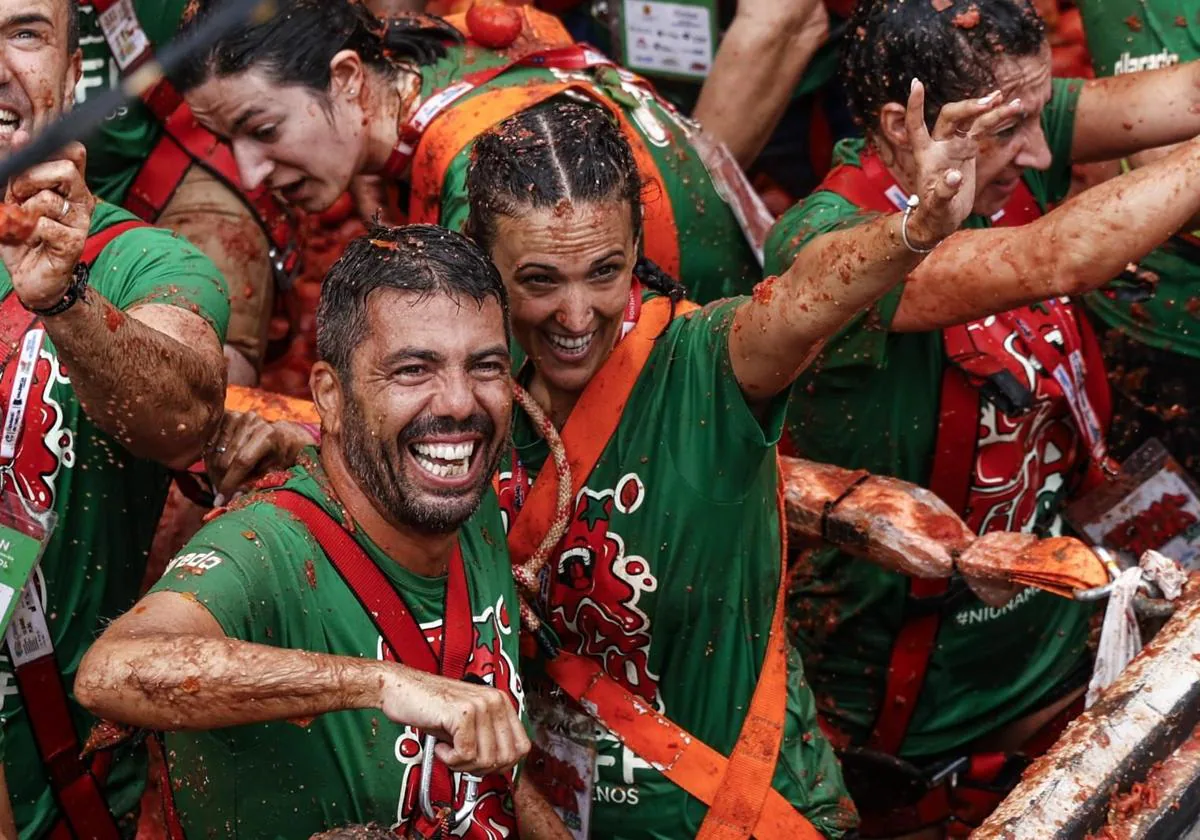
(79, 284)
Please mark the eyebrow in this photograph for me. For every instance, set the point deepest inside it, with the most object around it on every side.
(615, 252)
(249, 114)
(423, 355)
(27, 18)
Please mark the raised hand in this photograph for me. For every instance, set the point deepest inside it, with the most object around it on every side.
(478, 728)
(945, 159)
(53, 193)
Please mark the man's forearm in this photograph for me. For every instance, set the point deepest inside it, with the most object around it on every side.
(1074, 249)
(753, 76)
(201, 682)
(536, 819)
(161, 398)
(1121, 115)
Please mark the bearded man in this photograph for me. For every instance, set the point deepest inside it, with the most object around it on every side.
(310, 645)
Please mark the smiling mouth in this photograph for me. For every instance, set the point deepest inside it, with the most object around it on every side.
(10, 121)
(571, 346)
(445, 461)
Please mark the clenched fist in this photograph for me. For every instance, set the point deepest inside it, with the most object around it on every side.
(53, 193)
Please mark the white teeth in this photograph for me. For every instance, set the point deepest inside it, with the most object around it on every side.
(453, 460)
(446, 451)
(571, 343)
(8, 117)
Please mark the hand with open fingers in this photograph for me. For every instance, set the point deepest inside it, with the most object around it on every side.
(945, 159)
(53, 193)
(246, 447)
(478, 729)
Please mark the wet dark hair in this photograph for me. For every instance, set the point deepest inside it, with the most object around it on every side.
(557, 151)
(425, 259)
(953, 52)
(295, 45)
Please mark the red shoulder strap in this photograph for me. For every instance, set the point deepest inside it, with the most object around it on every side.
(100, 240)
(388, 611)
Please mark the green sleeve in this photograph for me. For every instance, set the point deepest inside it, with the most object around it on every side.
(1127, 36)
(154, 265)
(863, 341)
(1058, 124)
(707, 404)
(455, 203)
(250, 568)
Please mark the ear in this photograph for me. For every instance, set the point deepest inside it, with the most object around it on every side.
(891, 125)
(347, 75)
(326, 388)
(74, 74)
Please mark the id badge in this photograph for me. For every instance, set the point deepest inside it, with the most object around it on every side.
(1152, 504)
(24, 534)
(562, 761)
(671, 39)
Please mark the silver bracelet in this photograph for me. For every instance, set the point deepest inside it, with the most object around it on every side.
(914, 201)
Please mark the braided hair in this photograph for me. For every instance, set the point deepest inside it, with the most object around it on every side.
(951, 47)
(558, 150)
(296, 44)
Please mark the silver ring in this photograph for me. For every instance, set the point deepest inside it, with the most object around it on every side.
(66, 209)
(220, 450)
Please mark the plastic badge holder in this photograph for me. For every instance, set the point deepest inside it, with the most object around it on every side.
(1152, 504)
(24, 533)
(563, 760)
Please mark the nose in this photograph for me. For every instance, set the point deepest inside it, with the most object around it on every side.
(456, 397)
(575, 310)
(253, 166)
(1035, 151)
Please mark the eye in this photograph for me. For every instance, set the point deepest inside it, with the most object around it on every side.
(266, 133)
(410, 372)
(491, 369)
(536, 280)
(607, 272)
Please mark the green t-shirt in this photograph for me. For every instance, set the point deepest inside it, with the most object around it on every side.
(265, 579)
(716, 260)
(1125, 36)
(107, 501)
(871, 402)
(118, 148)
(671, 574)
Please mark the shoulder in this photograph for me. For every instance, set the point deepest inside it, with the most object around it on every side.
(821, 212)
(148, 264)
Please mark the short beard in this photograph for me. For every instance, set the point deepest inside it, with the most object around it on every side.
(374, 463)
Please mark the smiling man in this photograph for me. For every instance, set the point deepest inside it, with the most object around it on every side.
(296, 707)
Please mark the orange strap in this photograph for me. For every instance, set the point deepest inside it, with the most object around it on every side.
(592, 423)
(453, 129)
(737, 789)
(270, 406)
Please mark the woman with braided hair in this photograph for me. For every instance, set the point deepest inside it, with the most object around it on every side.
(662, 595)
(323, 92)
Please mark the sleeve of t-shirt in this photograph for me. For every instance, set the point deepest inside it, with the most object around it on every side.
(863, 341)
(245, 567)
(705, 403)
(455, 203)
(153, 265)
(1058, 124)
